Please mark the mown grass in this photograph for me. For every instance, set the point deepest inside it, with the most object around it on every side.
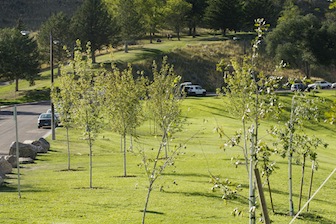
(51, 194)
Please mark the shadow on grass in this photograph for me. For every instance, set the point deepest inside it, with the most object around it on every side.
(153, 212)
(308, 217)
(36, 95)
(127, 176)
(71, 169)
(186, 174)
(8, 187)
(147, 53)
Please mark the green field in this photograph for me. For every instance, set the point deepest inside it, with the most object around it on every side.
(183, 194)
(51, 194)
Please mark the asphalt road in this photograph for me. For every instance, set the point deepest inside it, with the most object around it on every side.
(27, 124)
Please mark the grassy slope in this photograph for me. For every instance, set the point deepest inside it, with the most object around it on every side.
(52, 195)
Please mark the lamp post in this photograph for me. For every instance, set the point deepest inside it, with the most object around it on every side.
(53, 136)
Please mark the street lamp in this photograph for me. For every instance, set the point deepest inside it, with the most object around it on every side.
(53, 136)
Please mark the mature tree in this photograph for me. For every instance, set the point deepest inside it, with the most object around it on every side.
(176, 12)
(92, 23)
(58, 26)
(18, 56)
(223, 15)
(122, 95)
(323, 44)
(254, 9)
(152, 15)
(290, 41)
(195, 15)
(130, 22)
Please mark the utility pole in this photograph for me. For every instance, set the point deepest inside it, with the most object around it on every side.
(53, 137)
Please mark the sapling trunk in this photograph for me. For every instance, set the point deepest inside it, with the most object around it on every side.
(68, 144)
(302, 179)
(90, 143)
(290, 155)
(124, 136)
(269, 187)
(311, 182)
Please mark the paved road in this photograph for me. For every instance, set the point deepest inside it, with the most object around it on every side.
(27, 124)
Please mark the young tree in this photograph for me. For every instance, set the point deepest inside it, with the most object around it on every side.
(64, 97)
(302, 108)
(122, 95)
(18, 56)
(175, 12)
(87, 111)
(93, 23)
(252, 97)
(164, 100)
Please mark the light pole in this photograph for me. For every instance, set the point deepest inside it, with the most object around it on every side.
(53, 136)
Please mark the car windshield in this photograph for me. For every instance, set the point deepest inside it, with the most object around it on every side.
(45, 116)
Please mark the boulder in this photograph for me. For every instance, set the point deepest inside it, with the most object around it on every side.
(12, 160)
(42, 145)
(25, 150)
(5, 166)
(25, 160)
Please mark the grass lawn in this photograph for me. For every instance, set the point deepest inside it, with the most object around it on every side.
(51, 194)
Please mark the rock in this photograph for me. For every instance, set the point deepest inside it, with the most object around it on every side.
(42, 145)
(5, 166)
(12, 160)
(1, 181)
(25, 150)
(25, 160)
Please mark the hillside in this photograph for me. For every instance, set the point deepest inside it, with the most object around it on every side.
(33, 12)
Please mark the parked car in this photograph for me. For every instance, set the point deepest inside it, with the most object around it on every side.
(319, 84)
(298, 87)
(56, 114)
(183, 84)
(333, 86)
(44, 120)
(194, 90)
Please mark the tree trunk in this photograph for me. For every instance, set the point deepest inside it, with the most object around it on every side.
(302, 180)
(125, 173)
(67, 136)
(311, 182)
(93, 56)
(290, 155)
(194, 32)
(16, 84)
(150, 38)
(126, 46)
(252, 219)
(147, 200)
(270, 192)
(90, 143)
